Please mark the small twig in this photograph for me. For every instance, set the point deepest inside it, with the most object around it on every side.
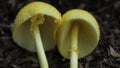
(4, 26)
(5, 37)
(106, 7)
(14, 66)
(111, 64)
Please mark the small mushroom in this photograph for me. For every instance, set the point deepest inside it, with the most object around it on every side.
(77, 36)
(35, 29)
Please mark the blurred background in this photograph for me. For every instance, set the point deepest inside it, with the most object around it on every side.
(106, 55)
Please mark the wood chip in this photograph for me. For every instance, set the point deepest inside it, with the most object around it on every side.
(113, 52)
(14, 66)
(117, 4)
(80, 65)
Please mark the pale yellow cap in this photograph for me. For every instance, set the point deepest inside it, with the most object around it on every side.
(88, 36)
(22, 25)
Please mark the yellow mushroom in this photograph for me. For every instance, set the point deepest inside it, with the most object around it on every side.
(35, 29)
(77, 36)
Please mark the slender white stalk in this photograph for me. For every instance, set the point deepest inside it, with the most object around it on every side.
(73, 60)
(74, 46)
(40, 50)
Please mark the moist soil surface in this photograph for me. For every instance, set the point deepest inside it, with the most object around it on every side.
(106, 54)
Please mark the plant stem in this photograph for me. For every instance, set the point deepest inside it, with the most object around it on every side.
(74, 47)
(39, 46)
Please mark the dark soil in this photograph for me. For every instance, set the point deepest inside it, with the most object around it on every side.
(106, 55)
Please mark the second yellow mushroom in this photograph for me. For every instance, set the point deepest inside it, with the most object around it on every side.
(77, 36)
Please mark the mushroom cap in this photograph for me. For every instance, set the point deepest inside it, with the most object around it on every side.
(22, 34)
(88, 35)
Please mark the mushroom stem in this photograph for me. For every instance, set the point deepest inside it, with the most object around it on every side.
(39, 46)
(36, 20)
(74, 47)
